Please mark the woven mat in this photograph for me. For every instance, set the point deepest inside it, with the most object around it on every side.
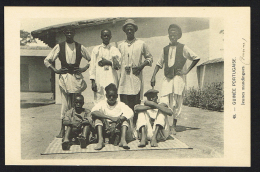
(170, 143)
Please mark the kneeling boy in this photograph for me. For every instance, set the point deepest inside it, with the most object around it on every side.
(78, 122)
(111, 111)
(152, 120)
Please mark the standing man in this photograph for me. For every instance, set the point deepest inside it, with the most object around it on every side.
(104, 63)
(174, 57)
(71, 80)
(131, 81)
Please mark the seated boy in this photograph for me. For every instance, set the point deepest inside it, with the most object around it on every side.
(78, 122)
(152, 120)
(113, 113)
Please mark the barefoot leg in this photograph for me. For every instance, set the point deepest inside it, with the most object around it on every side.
(100, 143)
(154, 138)
(62, 130)
(123, 142)
(143, 137)
(66, 142)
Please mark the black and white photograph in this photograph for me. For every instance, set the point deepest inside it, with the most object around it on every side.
(112, 89)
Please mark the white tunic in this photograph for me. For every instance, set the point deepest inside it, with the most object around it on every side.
(105, 75)
(132, 53)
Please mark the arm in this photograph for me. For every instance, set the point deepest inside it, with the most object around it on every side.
(159, 65)
(86, 56)
(162, 107)
(189, 54)
(104, 62)
(99, 115)
(148, 60)
(194, 62)
(140, 108)
(156, 69)
(52, 56)
(92, 70)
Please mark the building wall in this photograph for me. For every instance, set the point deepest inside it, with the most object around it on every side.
(213, 72)
(198, 41)
(39, 75)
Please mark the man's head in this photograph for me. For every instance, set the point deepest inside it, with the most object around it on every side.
(106, 36)
(130, 28)
(111, 94)
(79, 101)
(152, 95)
(69, 32)
(175, 33)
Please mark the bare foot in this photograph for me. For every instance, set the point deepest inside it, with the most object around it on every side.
(65, 145)
(82, 141)
(124, 145)
(173, 131)
(142, 143)
(61, 134)
(99, 146)
(154, 142)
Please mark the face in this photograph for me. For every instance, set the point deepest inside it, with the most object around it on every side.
(152, 97)
(111, 97)
(106, 36)
(79, 102)
(69, 35)
(173, 35)
(130, 31)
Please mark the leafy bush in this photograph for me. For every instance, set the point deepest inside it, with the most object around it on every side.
(211, 97)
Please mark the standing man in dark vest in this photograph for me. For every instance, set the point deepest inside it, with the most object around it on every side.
(173, 58)
(71, 80)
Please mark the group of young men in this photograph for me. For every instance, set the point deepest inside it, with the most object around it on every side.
(118, 71)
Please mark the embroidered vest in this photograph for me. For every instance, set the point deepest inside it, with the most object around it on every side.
(180, 61)
(62, 57)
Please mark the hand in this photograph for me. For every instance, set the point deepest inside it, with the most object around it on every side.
(137, 70)
(76, 124)
(78, 70)
(153, 81)
(150, 103)
(103, 62)
(85, 122)
(62, 71)
(114, 119)
(180, 72)
(116, 64)
(94, 86)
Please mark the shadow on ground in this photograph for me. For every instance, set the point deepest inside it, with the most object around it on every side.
(35, 103)
(180, 128)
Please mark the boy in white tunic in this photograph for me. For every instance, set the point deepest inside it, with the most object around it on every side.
(104, 63)
(152, 120)
(71, 80)
(173, 58)
(111, 111)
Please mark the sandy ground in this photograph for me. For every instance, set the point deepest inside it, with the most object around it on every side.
(202, 130)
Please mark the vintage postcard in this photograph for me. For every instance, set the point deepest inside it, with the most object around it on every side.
(146, 86)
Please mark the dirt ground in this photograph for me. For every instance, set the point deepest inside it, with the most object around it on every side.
(202, 130)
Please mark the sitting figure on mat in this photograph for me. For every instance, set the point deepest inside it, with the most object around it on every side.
(152, 122)
(111, 118)
(78, 122)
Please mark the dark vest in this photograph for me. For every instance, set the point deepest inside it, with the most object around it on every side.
(180, 61)
(62, 57)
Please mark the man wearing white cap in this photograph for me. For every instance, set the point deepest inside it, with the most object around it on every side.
(173, 58)
(131, 80)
